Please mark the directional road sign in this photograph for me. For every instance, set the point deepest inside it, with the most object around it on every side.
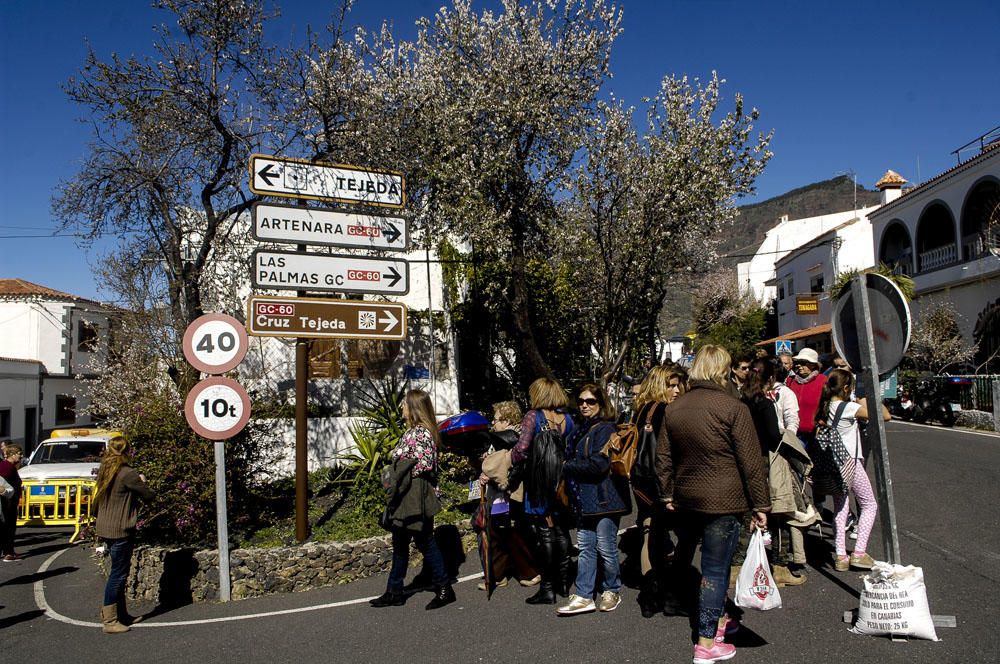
(297, 178)
(287, 270)
(215, 343)
(302, 225)
(331, 319)
(217, 408)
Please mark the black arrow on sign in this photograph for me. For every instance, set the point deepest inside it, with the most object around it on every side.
(267, 174)
(391, 232)
(396, 276)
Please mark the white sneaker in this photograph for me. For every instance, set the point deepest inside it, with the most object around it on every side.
(576, 605)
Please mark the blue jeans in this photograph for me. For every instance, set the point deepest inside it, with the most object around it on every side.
(720, 534)
(121, 561)
(598, 538)
(427, 545)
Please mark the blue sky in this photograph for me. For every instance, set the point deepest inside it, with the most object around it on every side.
(847, 86)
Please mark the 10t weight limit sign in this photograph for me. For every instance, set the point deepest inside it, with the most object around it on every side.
(217, 408)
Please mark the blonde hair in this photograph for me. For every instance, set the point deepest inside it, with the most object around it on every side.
(711, 363)
(508, 411)
(420, 412)
(548, 394)
(111, 462)
(11, 450)
(655, 387)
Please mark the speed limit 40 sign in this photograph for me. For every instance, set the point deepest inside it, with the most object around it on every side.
(215, 343)
(217, 408)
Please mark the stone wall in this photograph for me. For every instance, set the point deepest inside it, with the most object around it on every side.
(173, 577)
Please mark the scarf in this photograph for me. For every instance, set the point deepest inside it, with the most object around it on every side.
(808, 379)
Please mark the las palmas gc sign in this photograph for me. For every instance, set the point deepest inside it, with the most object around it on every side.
(297, 178)
(285, 270)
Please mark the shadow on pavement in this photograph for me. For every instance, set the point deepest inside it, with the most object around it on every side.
(39, 576)
(21, 617)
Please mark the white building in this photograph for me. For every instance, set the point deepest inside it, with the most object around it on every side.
(945, 234)
(796, 263)
(66, 334)
(20, 398)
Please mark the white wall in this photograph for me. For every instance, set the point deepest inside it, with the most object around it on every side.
(19, 389)
(781, 240)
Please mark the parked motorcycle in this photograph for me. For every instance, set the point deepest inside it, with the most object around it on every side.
(937, 400)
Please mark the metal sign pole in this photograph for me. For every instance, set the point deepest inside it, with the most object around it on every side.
(876, 427)
(222, 521)
(301, 434)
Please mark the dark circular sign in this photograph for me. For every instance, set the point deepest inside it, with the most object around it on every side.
(890, 317)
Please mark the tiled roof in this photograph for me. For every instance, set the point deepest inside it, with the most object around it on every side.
(805, 333)
(18, 359)
(891, 179)
(18, 288)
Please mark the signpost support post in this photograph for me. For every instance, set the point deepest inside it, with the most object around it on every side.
(301, 433)
(876, 427)
(222, 521)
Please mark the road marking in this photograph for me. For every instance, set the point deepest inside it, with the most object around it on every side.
(988, 434)
(39, 589)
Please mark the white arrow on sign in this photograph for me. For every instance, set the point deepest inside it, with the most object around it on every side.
(389, 321)
(286, 270)
(297, 178)
(276, 222)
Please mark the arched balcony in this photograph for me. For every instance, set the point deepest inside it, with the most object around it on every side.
(896, 249)
(936, 245)
(982, 204)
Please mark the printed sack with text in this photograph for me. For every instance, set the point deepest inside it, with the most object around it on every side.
(894, 603)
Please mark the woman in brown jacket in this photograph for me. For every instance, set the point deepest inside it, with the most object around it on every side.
(711, 472)
(119, 487)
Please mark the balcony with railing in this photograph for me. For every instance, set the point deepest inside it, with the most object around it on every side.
(938, 257)
(972, 247)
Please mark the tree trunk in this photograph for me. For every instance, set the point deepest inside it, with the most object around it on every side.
(519, 305)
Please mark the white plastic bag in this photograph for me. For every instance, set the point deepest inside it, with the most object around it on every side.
(894, 603)
(755, 587)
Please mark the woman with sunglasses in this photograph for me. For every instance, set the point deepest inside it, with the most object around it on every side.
(599, 500)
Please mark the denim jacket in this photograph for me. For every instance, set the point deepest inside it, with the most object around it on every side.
(594, 491)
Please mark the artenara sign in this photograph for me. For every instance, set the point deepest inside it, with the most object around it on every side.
(315, 318)
(285, 270)
(301, 225)
(297, 178)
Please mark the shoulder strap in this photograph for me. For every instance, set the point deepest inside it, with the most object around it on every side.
(836, 416)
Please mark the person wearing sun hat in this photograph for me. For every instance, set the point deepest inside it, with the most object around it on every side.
(806, 382)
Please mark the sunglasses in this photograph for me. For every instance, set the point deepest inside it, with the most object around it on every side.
(589, 402)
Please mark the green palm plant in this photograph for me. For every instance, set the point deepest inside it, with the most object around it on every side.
(903, 282)
(377, 433)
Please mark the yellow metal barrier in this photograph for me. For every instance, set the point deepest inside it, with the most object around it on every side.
(56, 503)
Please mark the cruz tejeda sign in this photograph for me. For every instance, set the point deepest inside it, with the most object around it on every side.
(295, 224)
(285, 270)
(333, 319)
(297, 178)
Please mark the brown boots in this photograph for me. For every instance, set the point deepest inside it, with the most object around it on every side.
(109, 620)
(784, 577)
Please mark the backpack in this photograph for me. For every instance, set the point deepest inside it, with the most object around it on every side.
(833, 466)
(622, 448)
(645, 484)
(544, 468)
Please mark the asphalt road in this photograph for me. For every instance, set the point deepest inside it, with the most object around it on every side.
(947, 491)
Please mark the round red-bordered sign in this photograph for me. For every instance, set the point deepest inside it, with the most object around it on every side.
(217, 408)
(215, 343)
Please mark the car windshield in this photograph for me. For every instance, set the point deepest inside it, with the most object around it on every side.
(77, 451)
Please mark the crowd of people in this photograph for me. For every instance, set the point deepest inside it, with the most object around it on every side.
(733, 439)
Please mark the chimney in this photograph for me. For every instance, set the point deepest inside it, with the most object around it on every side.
(891, 186)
